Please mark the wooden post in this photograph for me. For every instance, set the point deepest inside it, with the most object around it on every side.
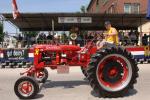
(141, 34)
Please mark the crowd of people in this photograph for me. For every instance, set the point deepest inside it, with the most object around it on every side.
(132, 38)
(125, 38)
(129, 38)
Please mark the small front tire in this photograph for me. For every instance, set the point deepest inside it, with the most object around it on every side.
(26, 87)
(41, 75)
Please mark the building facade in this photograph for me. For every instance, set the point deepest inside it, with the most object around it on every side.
(118, 6)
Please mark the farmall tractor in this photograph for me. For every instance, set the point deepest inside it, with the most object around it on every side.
(111, 71)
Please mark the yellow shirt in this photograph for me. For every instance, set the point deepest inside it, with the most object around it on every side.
(112, 39)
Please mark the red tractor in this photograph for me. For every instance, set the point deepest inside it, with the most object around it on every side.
(111, 71)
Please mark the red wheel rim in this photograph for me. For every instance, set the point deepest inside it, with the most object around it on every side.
(113, 72)
(25, 88)
(39, 75)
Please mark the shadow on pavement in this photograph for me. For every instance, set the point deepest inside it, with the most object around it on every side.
(38, 96)
(65, 84)
(130, 93)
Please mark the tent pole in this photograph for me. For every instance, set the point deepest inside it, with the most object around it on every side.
(141, 33)
(53, 26)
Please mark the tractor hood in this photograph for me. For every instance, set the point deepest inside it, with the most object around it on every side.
(58, 47)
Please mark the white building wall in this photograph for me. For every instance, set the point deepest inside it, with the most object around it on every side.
(145, 28)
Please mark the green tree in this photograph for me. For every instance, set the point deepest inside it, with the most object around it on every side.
(83, 9)
(1, 32)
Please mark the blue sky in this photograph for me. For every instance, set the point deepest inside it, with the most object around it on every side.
(41, 6)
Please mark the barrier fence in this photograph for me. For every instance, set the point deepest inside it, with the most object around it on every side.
(23, 57)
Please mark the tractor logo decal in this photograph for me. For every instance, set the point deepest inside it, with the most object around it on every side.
(36, 52)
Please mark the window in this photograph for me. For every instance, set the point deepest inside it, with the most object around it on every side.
(104, 1)
(135, 8)
(127, 8)
(131, 8)
(97, 6)
(97, 2)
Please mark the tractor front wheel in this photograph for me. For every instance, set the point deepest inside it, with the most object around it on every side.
(41, 75)
(112, 72)
(26, 87)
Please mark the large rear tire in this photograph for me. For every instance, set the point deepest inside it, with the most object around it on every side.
(84, 71)
(26, 87)
(112, 72)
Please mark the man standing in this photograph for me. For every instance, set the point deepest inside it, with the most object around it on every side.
(111, 36)
(50, 38)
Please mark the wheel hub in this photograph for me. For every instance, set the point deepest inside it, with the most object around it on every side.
(112, 72)
(25, 88)
(39, 75)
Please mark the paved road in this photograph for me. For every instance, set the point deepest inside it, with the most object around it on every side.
(71, 87)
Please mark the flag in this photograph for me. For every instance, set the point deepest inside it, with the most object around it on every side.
(15, 9)
(148, 10)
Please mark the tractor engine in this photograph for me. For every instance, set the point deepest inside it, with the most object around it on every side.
(53, 58)
(48, 55)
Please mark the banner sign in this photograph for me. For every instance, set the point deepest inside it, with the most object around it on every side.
(15, 54)
(74, 20)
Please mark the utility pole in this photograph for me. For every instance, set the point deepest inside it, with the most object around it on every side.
(2, 34)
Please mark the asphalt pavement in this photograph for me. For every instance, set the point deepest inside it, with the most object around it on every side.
(71, 86)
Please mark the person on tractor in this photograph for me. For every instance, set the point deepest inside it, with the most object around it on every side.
(111, 37)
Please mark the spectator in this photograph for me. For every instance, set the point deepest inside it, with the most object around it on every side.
(64, 38)
(50, 38)
(133, 38)
(41, 38)
(145, 40)
(32, 40)
(127, 40)
(130, 32)
(19, 44)
(19, 38)
(137, 37)
(58, 39)
(121, 36)
(90, 37)
(44, 38)
(80, 40)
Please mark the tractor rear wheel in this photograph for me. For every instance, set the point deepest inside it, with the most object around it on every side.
(26, 87)
(112, 72)
(84, 71)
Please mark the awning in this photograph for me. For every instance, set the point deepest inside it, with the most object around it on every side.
(43, 21)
